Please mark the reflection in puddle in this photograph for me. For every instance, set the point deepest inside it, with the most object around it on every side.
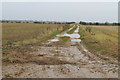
(76, 40)
(75, 35)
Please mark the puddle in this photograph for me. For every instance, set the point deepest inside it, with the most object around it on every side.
(54, 40)
(74, 35)
(76, 40)
(66, 35)
(70, 29)
(63, 35)
(77, 30)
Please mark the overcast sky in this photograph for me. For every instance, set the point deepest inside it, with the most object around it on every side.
(61, 11)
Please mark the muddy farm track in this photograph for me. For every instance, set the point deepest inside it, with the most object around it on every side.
(55, 59)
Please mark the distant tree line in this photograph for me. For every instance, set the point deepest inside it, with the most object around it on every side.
(97, 23)
(37, 22)
(54, 22)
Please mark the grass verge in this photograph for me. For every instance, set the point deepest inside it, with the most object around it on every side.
(100, 40)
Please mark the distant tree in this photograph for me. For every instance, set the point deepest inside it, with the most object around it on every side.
(106, 23)
(90, 23)
(96, 23)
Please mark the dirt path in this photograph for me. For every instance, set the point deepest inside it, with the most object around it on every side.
(71, 60)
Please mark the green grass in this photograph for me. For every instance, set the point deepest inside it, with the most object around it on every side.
(103, 37)
(81, 32)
